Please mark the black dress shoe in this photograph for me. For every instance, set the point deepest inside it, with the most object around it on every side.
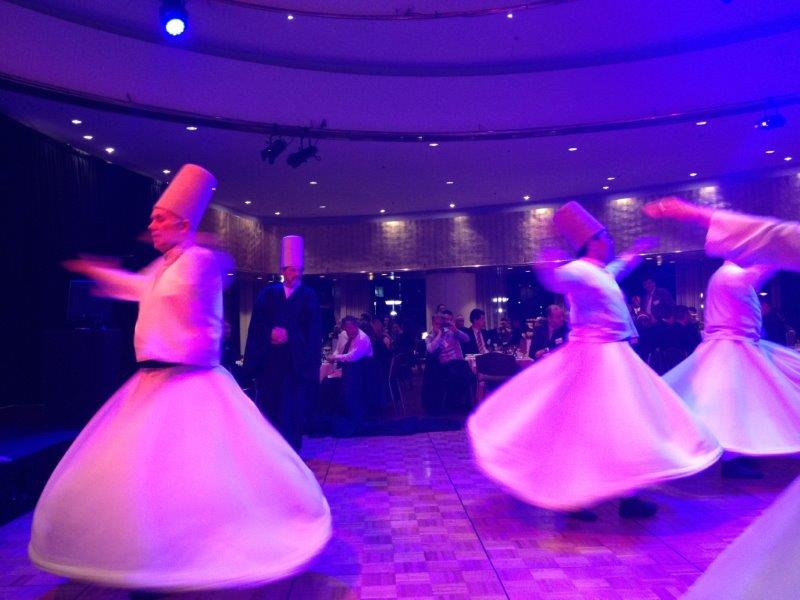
(635, 508)
(740, 468)
(582, 515)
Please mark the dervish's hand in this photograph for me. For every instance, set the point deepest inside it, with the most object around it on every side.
(279, 335)
(86, 264)
(673, 207)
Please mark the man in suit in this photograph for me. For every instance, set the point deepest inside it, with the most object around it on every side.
(284, 346)
(655, 298)
(480, 341)
(504, 333)
(551, 334)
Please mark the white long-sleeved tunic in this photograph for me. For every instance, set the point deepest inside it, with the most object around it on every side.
(598, 312)
(733, 310)
(180, 305)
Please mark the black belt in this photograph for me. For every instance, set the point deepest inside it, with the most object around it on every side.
(156, 364)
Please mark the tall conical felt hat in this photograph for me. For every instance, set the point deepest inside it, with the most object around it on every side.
(576, 225)
(292, 251)
(188, 194)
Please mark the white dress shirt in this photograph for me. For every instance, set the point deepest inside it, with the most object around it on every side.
(360, 347)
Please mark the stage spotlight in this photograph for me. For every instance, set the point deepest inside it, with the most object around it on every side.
(174, 16)
(304, 154)
(775, 121)
(273, 149)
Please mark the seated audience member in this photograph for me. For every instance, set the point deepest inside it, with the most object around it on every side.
(403, 340)
(635, 306)
(688, 332)
(551, 334)
(455, 377)
(655, 298)
(666, 346)
(517, 329)
(382, 353)
(642, 344)
(526, 337)
(357, 367)
(340, 339)
(431, 380)
(479, 341)
(773, 325)
(503, 334)
(230, 353)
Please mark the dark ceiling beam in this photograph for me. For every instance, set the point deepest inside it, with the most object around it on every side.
(393, 68)
(406, 15)
(131, 108)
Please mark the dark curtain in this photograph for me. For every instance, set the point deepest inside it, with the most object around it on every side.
(58, 202)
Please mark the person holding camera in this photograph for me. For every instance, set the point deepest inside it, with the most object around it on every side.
(453, 374)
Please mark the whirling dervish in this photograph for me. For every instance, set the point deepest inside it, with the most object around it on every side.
(745, 389)
(177, 482)
(590, 421)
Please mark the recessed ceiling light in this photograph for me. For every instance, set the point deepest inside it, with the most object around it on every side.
(449, 182)
(452, 205)
(701, 123)
(526, 197)
(88, 137)
(323, 206)
(166, 171)
(692, 174)
(433, 144)
(610, 178)
(248, 202)
(191, 128)
(76, 121)
(213, 189)
(573, 148)
(312, 183)
(110, 150)
(290, 17)
(787, 158)
(383, 210)
(605, 187)
(769, 152)
(509, 15)
(277, 213)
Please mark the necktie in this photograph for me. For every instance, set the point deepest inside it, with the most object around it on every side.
(346, 348)
(479, 339)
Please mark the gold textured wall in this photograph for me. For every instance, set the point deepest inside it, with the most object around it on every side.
(509, 236)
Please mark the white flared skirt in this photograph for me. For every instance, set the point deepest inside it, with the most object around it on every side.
(178, 482)
(762, 563)
(746, 393)
(587, 423)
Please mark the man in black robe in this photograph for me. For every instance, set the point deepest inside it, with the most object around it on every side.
(283, 348)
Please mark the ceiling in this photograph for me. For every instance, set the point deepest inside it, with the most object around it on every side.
(505, 98)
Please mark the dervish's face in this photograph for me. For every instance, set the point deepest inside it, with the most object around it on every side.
(291, 275)
(167, 229)
(606, 243)
(556, 318)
